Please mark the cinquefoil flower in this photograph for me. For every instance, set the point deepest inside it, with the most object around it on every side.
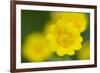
(36, 48)
(78, 20)
(64, 38)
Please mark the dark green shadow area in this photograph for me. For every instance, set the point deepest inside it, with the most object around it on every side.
(33, 21)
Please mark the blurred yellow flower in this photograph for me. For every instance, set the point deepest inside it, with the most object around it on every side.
(36, 48)
(78, 20)
(64, 39)
(84, 53)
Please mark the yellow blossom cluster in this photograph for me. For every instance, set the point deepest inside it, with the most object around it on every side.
(64, 32)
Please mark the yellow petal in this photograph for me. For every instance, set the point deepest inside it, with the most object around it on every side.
(70, 52)
(61, 51)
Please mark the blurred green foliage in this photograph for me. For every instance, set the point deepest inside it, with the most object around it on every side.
(33, 21)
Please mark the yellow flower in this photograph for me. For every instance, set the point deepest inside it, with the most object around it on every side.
(36, 48)
(84, 53)
(64, 39)
(78, 20)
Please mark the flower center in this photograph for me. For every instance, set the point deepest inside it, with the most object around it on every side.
(65, 39)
